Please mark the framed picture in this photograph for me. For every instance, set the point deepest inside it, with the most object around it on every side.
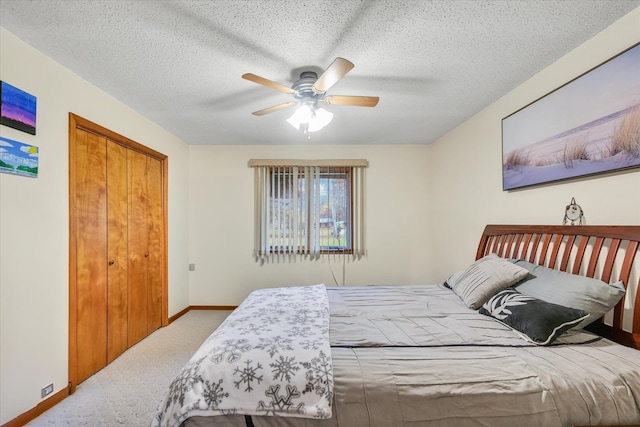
(18, 158)
(588, 126)
(17, 108)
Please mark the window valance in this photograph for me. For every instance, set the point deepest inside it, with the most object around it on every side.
(353, 163)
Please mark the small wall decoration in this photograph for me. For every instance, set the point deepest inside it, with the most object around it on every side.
(589, 126)
(573, 214)
(17, 108)
(18, 158)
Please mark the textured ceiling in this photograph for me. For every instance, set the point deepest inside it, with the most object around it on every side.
(432, 63)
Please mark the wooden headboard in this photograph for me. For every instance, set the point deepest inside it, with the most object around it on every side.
(608, 253)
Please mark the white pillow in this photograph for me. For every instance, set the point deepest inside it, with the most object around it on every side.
(485, 278)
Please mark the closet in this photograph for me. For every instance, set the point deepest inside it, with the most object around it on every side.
(118, 245)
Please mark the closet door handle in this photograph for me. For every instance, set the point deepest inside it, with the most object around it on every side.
(112, 261)
(146, 255)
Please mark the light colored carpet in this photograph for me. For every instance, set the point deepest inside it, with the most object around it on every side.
(127, 391)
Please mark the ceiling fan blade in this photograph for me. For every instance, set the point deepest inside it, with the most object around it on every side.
(337, 70)
(274, 108)
(268, 83)
(357, 101)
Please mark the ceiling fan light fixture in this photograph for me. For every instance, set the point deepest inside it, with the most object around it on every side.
(310, 119)
(320, 119)
(301, 116)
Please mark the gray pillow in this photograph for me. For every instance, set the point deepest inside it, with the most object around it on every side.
(584, 293)
(484, 278)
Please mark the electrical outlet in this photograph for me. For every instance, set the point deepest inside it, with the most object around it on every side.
(192, 267)
(46, 391)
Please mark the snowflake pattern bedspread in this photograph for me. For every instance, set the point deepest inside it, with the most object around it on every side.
(271, 356)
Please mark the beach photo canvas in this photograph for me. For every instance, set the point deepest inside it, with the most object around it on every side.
(17, 108)
(588, 126)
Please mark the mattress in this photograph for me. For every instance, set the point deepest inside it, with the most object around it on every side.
(417, 356)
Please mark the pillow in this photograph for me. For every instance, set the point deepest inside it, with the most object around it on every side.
(537, 321)
(585, 293)
(482, 279)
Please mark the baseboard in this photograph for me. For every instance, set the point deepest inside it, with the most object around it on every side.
(39, 409)
(45, 405)
(201, 307)
(178, 314)
(213, 307)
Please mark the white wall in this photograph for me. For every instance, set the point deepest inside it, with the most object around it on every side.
(221, 221)
(34, 219)
(465, 175)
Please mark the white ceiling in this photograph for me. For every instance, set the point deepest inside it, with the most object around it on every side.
(432, 63)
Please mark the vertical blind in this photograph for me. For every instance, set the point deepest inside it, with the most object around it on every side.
(308, 209)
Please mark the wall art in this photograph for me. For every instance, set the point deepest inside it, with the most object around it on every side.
(588, 126)
(18, 158)
(17, 108)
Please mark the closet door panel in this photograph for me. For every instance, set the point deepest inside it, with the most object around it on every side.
(91, 253)
(117, 218)
(154, 262)
(138, 246)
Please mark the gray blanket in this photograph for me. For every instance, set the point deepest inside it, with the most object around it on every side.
(416, 356)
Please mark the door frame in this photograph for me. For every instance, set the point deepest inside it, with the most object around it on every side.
(76, 121)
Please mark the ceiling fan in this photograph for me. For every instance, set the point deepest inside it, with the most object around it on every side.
(310, 90)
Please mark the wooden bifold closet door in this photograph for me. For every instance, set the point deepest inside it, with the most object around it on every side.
(118, 289)
(144, 246)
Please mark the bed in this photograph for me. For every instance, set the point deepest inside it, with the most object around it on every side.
(540, 330)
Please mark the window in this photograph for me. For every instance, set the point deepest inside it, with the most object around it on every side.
(308, 209)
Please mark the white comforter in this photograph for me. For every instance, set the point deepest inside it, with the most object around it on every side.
(271, 356)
